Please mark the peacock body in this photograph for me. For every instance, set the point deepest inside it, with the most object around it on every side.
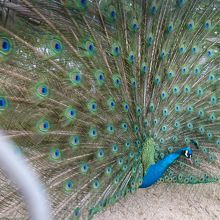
(96, 94)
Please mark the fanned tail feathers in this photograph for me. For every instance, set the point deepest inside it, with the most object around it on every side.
(84, 84)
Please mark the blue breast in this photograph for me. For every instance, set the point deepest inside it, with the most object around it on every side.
(152, 175)
(155, 171)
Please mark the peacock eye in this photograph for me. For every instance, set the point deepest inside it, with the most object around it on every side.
(90, 47)
(190, 26)
(44, 90)
(83, 2)
(77, 78)
(55, 154)
(101, 77)
(116, 49)
(113, 14)
(77, 212)
(3, 103)
(5, 45)
(56, 45)
(46, 125)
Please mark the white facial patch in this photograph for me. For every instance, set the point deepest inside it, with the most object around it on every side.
(186, 153)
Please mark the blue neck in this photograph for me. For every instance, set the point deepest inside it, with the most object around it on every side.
(156, 171)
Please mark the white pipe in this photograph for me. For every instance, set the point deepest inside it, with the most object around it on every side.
(19, 171)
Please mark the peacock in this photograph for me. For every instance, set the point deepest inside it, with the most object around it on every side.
(103, 97)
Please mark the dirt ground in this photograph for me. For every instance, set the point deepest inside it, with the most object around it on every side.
(166, 201)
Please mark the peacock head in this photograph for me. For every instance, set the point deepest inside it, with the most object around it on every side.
(188, 152)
